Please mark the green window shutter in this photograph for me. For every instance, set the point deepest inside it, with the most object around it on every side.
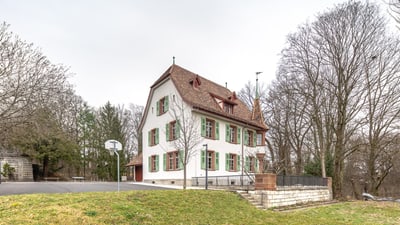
(203, 160)
(157, 137)
(238, 163)
(149, 138)
(247, 163)
(181, 159)
(165, 161)
(167, 131)
(166, 103)
(203, 126)
(157, 162)
(246, 137)
(158, 107)
(254, 139)
(238, 136)
(217, 161)
(227, 161)
(177, 129)
(216, 131)
(149, 166)
(227, 132)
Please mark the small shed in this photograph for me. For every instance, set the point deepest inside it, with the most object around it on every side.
(135, 168)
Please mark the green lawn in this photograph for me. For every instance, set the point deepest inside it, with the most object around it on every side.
(179, 207)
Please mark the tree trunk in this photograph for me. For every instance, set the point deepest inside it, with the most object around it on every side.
(46, 166)
(184, 176)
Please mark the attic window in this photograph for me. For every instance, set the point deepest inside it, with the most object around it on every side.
(226, 104)
(228, 108)
(196, 82)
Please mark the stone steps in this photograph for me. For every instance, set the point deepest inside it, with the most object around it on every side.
(258, 205)
(250, 199)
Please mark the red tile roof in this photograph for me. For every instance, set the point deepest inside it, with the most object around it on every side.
(136, 160)
(202, 93)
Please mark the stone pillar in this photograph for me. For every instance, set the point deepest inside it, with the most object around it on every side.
(330, 188)
(260, 156)
(265, 181)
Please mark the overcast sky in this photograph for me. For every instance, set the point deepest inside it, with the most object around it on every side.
(116, 49)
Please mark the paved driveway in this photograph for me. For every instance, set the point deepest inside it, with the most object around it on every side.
(11, 188)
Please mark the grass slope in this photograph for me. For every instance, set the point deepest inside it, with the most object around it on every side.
(179, 207)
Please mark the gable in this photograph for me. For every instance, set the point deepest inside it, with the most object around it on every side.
(202, 95)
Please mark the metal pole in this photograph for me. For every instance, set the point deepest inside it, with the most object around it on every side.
(116, 152)
(206, 165)
(117, 169)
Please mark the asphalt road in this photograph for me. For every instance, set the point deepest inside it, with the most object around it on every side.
(12, 188)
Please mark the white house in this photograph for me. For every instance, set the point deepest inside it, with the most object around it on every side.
(232, 132)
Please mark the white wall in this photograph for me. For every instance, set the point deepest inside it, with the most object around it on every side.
(194, 166)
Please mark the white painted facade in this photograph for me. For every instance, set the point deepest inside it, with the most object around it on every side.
(194, 169)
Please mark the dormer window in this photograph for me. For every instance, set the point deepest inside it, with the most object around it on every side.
(226, 104)
(196, 82)
(228, 108)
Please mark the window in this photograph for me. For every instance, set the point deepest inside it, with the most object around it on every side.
(162, 105)
(226, 104)
(251, 164)
(260, 139)
(213, 160)
(172, 130)
(228, 108)
(250, 138)
(153, 137)
(153, 163)
(232, 162)
(232, 134)
(172, 161)
(209, 128)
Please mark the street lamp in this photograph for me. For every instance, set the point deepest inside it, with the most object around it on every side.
(205, 145)
(114, 146)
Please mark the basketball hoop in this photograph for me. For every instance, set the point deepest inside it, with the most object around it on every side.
(114, 146)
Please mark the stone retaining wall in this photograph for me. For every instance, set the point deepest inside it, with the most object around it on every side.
(285, 196)
(22, 165)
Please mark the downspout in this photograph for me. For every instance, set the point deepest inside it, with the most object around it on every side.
(242, 164)
(241, 177)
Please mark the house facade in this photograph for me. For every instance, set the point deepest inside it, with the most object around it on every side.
(185, 106)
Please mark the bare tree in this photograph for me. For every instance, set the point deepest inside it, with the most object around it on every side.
(302, 63)
(382, 109)
(278, 120)
(28, 81)
(130, 119)
(394, 10)
(323, 68)
(187, 133)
